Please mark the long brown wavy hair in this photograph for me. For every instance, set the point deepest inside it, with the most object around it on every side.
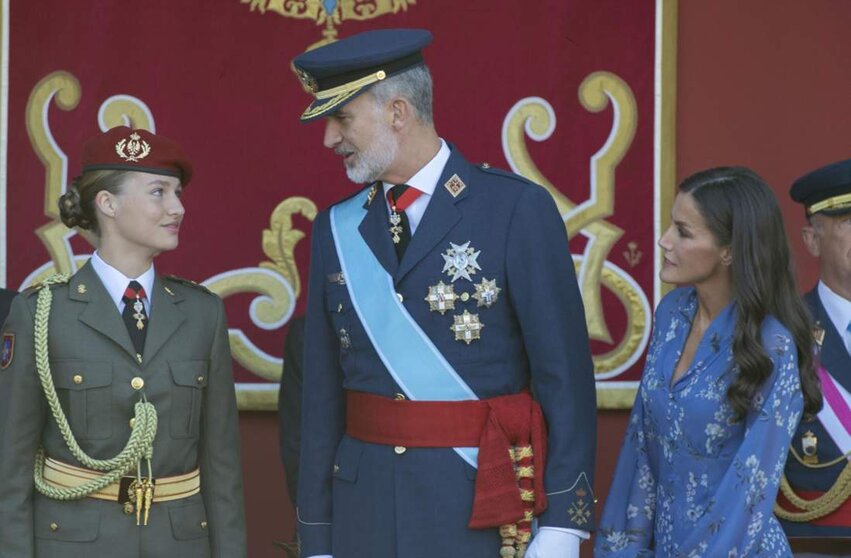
(742, 212)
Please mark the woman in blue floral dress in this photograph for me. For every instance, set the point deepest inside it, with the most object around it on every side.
(727, 378)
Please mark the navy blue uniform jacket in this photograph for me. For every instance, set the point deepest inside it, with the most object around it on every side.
(835, 359)
(357, 499)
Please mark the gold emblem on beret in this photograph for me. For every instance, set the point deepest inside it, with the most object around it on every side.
(133, 149)
(455, 185)
(307, 81)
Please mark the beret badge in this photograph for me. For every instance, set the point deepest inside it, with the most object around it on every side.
(133, 149)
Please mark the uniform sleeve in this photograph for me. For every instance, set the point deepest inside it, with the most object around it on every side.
(323, 407)
(626, 528)
(289, 403)
(221, 472)
(23, 413)
(744, 499)
(545, 295)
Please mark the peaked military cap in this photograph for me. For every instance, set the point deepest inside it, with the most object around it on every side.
(826, 190)
(121, 148)
(340, 71)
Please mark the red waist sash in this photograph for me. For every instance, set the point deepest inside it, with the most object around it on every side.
(496, 426)
(840, 517)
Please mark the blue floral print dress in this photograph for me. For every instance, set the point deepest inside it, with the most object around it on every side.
(690, 481)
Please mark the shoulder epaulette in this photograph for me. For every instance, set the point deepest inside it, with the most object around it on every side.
(485, 167)
(53, 280)
(188, 283)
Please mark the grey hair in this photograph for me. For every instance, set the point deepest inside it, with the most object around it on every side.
(415, 85)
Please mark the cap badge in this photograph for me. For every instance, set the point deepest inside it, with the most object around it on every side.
(455, 185)
(307, 81)
(133, 149)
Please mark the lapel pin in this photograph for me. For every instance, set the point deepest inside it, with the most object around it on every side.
(81, 288)
(455, 185)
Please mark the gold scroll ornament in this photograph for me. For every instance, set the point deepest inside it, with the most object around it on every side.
(330, 13)
(276, 281)
(535, 117)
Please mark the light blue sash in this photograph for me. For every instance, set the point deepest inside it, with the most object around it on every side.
(407, 352)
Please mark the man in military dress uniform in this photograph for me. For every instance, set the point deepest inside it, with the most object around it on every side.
(448, 385)
(815, 502)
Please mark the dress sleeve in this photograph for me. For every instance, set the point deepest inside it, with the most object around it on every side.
(626, 528)
(735, 525)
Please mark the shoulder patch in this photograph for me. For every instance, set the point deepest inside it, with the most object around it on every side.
(7, 350)
(188, 283)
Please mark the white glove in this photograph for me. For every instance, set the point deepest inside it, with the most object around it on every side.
(554, 542)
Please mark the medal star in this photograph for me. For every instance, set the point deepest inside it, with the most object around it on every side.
(486, 293)
(460, 261)
(467, 327)
(441, 297)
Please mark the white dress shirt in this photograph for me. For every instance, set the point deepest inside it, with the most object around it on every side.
(425, 181)
(116, 282)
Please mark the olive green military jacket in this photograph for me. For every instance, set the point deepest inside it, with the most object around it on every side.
(186, 369)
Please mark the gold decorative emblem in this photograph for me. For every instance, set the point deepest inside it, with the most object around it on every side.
(818, 334)
(455, 185)
(579, 512)
(138, 314)
(371, 195)
(133, 149)
(81, 288)
(486, 293)
(809, 446)
(460, 261)
(330, 13)
(467, 327)
(307, 81)
(632, 254)
(441, 297)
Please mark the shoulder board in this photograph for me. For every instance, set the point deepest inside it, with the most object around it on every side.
(51, 281)
(499, 172)
(188, 283)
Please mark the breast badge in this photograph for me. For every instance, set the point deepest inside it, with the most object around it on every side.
(441, 297)
(486, 293)
(467, 327)
(460, 261)
(809, 446)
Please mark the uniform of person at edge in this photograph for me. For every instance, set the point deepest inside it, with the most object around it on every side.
(727, 377)
(118, 382)
(818, 465)
(440, 294)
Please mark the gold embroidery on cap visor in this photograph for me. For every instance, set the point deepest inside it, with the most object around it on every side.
(340, 94)
(836, 202)
(133, 149)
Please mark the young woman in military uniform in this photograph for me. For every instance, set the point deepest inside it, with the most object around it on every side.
(116, 383)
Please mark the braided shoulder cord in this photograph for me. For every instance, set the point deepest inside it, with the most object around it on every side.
(139, 446)
(819, 507)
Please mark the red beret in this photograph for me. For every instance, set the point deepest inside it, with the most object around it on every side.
(121, 148)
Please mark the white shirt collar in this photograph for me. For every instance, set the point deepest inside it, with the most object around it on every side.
(838, 309)
(116, 282)
(425, 180)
